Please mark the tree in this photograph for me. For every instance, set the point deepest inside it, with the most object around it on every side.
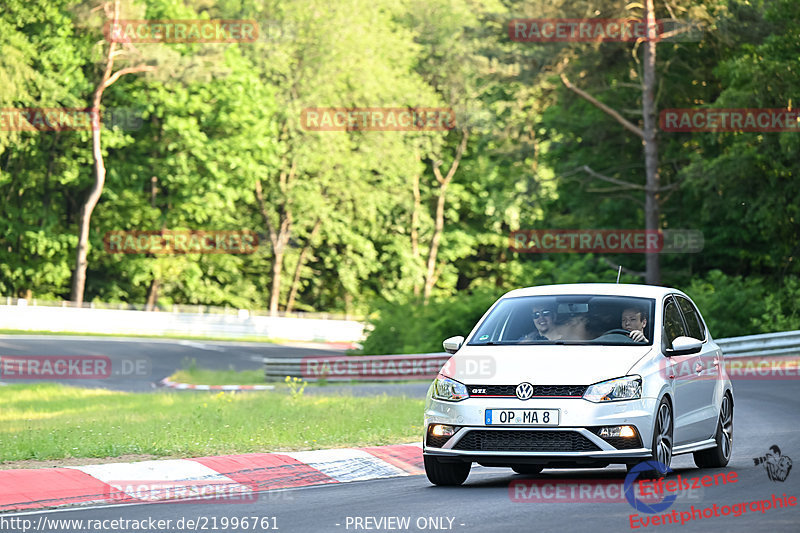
(648, 133)
(109, 77)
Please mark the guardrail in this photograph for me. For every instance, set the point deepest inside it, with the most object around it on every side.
(397, 367)
(356, 368)
(767, 344)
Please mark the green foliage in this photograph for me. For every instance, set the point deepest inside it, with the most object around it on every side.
(733, 306)
(415, 328)
(218, 117)
(729, 304)
(782, 308)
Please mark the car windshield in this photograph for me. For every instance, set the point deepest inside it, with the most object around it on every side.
(569, 319)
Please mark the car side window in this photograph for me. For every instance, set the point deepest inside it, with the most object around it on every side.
(673, 323)
(693, 322)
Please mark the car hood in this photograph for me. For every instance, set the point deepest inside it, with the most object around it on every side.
(542, 365)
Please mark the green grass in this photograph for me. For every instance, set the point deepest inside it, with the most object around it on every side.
(201, 376)
(50, 421)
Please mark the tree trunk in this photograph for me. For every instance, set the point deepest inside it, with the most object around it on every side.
(275, 291)
(437, 236)
(415, 229)
(647, 134)
(79, 277)
(348, 304)
(444, 182)
(652, 208)
(278, 238)
(152, 295)
(279, 241)
(108, 79)
(301, 260)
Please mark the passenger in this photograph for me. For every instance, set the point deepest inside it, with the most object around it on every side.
(634, 321)
(575, 328)
(544, 319)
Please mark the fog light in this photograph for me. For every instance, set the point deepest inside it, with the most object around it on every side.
(441, 430)
(617, 431)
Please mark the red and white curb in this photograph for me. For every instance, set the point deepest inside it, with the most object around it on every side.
(190, 386)
(245, 474)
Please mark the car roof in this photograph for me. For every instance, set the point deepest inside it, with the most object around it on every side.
(604, 289)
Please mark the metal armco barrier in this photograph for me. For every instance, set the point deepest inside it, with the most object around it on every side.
(783, 343)
(356, 368)
(426, 366)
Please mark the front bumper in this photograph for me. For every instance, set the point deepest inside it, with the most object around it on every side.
(573, 442)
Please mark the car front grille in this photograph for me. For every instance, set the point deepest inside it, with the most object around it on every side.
(540, 391)
(525, 441)
(436, 442)
(624, 443)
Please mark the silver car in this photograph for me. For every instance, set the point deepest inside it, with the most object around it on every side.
(584, 375)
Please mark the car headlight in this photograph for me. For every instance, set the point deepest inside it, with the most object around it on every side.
(627, 388)
(448, 389)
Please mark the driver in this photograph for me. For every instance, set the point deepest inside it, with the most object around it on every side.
(634, 321)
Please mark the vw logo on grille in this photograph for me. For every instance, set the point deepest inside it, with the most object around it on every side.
(524, 391)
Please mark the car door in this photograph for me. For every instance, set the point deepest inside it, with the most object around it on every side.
(708, 375)
(682, 371)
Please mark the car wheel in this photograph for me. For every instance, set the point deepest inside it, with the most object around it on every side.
(445, 474)
(719, 456)
(662, 442)
(528, 470)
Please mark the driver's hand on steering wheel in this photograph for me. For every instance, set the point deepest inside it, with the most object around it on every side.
(637, 335)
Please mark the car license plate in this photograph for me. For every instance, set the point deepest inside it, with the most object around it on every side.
(522, 417)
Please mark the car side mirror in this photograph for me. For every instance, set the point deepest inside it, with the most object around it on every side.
(452, 344)
(684, 346)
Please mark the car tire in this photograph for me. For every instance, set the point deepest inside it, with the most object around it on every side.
(527, 470)
(662, 442)
(445, 474)
(719, 456)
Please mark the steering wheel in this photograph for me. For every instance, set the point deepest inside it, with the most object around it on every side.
(618, 331)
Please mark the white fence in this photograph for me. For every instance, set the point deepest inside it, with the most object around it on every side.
(121, 322)
(173, 308)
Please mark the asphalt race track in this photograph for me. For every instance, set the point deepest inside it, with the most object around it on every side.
(766, 413)
(138, 363)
